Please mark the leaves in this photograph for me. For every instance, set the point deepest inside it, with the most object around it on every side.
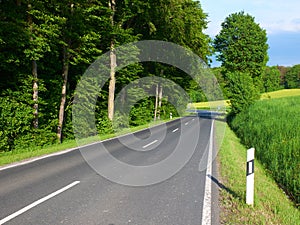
(242, 45)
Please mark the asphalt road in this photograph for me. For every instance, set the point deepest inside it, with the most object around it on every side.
(64, 189)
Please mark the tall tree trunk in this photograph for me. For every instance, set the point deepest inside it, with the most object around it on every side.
(63, 94)
(160, 90)
(35, 95)
(112, 83)
(34, 74)
(156, 103)
(113, 65)
(159, 100)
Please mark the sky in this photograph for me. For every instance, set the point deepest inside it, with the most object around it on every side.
(281, 20)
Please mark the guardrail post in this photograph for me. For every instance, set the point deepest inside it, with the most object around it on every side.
(250, 177)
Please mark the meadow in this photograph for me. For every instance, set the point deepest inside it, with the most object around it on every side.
(272, 126)
(269, 95)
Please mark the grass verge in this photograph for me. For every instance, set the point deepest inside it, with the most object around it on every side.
(271, 205)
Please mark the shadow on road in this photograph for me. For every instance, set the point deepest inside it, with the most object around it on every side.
(221, 186)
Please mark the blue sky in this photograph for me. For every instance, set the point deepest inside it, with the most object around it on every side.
(281, 20)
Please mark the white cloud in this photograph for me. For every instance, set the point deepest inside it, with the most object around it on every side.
(274, 16)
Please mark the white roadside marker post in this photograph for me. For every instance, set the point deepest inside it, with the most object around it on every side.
(250, 177)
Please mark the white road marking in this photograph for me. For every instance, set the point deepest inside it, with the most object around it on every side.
(186, 123)
(153, 142)
(175, 130)
(4, 220)
(193, 119)
(206, 213)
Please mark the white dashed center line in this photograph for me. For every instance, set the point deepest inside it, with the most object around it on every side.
(186, 123)
(153, 142)
(175, 130)
(26, 208)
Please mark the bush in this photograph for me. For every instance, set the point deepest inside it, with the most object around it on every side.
(240, 90)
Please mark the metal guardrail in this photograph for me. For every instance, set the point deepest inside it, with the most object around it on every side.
(206, 113)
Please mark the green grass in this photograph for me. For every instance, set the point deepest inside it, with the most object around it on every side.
(272, 127)
(275, 94)
(209, 105)
(281, 93)
(25, 154)
(271, 205)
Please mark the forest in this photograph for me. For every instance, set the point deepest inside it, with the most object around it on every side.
(46, 46)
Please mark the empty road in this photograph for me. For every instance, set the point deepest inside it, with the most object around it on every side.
(65, 189)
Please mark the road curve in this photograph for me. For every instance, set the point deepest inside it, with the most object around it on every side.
(64, 189)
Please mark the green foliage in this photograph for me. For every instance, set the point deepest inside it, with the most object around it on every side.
(16, 121)
(272, 127)
(241, 91)
(142, 112)
(242, 45)
(271, 79)
(54, 34)
(292, 77)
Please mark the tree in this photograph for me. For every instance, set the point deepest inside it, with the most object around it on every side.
(242, 45)
(292, 77)
(78, 43)
(271, 79)
(240, 90)
(113, 64)
(242, 49)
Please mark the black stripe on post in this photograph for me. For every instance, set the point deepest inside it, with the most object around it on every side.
(250, 165)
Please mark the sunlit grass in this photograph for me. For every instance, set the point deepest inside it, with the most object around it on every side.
(210, 105)
(272, 127)
(275, 94)
(271, 205)
(281, 93)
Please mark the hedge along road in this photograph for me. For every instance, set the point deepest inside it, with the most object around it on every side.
(65, 189)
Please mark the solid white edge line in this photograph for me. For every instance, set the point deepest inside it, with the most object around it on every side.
(175, 130)
(206, 213)
(153, 142)
(26, 208)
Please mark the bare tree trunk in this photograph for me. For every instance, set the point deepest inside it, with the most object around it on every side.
(159, 100)
(156, 103)
(113, 65)
(35, 95)
(160, 90)
(34, 75)
(63, 94)
(112, 83)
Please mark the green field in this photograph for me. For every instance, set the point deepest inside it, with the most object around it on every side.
(272, 127)
(275, 94)
(281, 94)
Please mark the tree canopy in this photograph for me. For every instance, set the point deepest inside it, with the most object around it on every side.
(242, 49)
(47, 45)
(242, 45)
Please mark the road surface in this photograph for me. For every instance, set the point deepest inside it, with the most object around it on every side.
(64, 189)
